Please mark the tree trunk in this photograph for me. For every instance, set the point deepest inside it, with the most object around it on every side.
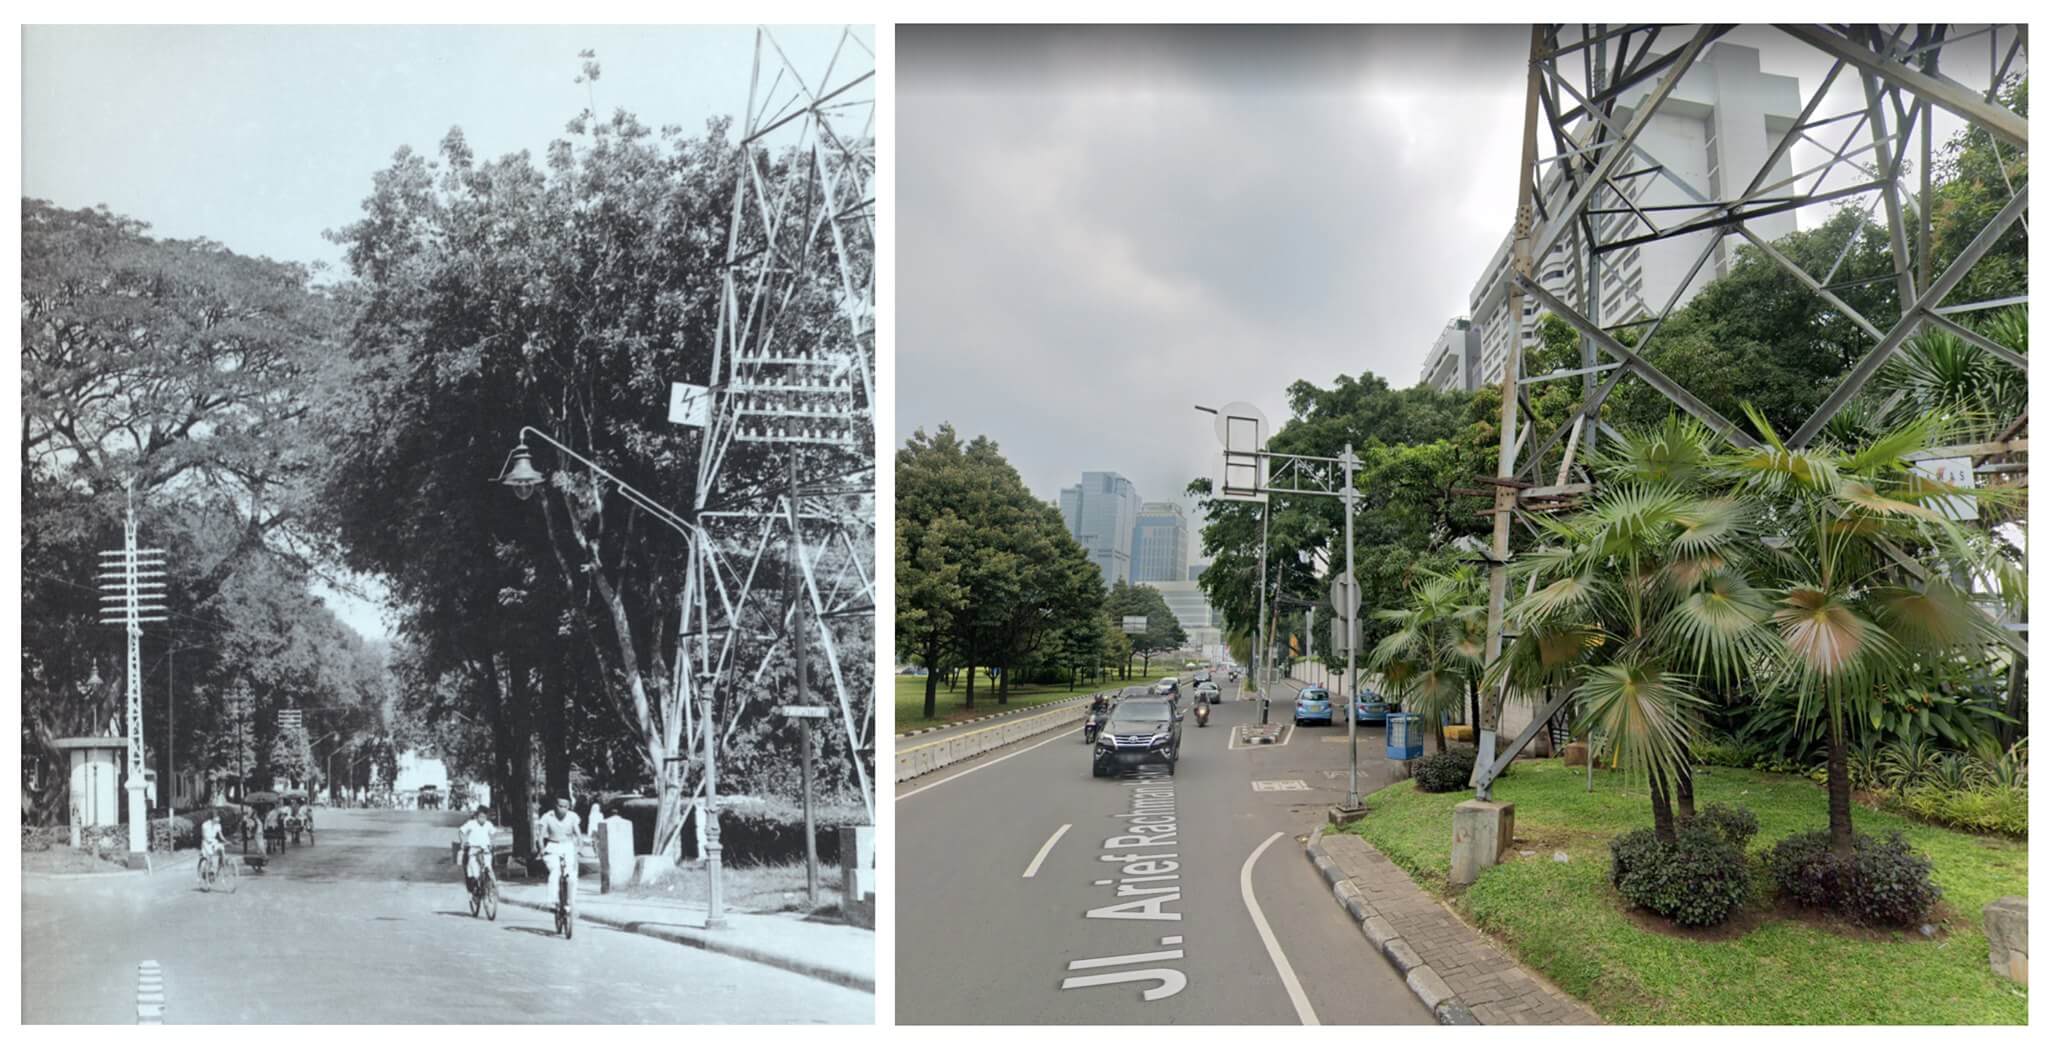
(931, 678)
(1660, 808)
(2015, 703)
(1841, 834)
(1003, 682)
(1685, 810)
(970, 680)
(554, 699)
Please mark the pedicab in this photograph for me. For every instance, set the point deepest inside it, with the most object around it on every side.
(295, 817)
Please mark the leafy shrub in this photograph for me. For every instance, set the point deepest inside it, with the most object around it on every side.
(1724, 753)
(1892, 885)
(1804, 870)
(1957, 773)
(1882, 882)
(1988, 809)
(1699, 880)
(1903, 765)
(1447, 771)
(1736, 825)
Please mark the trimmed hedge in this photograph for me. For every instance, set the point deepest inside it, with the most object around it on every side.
(1883, 883)
(1699, 880)
(751, 830)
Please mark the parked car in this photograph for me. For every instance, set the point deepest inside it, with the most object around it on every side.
(1207, 693)
(1141, 731)
(1312, 705)
(1369, 707)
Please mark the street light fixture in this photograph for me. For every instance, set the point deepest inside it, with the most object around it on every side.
(521, 476)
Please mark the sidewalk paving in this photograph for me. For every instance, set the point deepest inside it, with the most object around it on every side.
(828, 951)
(1449, 965)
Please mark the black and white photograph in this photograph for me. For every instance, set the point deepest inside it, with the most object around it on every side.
(448, 537)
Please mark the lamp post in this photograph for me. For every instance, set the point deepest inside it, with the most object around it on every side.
(1259, 628)
(520, 475)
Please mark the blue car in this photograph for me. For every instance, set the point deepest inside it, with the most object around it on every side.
(1369, 708)
(1313, 705)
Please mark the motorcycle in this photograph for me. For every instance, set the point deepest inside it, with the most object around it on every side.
(1092, 727)
(1202, 715)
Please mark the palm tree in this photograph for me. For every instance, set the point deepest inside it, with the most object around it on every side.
(1437, 649)
(1859, 575)
(1636, 599)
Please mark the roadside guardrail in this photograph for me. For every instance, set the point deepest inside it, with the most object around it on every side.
(918, 760)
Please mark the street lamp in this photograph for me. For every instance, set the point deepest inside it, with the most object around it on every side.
(520, 475)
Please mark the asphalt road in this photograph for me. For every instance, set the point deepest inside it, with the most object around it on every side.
(371, 925)
(1031, 892)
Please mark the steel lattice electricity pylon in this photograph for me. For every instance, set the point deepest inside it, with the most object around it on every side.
(1592, 184)
(792, 378)
(132, 579)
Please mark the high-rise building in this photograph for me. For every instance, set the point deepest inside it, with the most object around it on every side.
(1101, 512)
(1453, 362)
(1195, 571)
(1726, 115)
(1159, 543)
(1191, 608)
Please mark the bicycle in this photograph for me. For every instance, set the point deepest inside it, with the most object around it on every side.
(483, 890)
(565, 905)
(217, 869)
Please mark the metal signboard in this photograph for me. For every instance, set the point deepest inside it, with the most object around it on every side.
(688, 404)
(1956, 472)
(801, 711)
(1136, 623)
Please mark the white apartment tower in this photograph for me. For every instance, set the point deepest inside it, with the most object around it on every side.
(1722, 122)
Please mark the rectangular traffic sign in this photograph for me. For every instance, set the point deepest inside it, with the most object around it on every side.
(802, 711)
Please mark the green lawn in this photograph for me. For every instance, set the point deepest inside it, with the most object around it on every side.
(1566, 921)
(910, 699)
(910, 693)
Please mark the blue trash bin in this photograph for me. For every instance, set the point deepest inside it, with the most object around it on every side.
(1404, 735)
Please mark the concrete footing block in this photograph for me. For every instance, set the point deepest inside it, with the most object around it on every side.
(1480, 832)
(1378, 932)
(2005, 924)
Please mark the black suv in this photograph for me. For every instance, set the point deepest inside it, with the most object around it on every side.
(1140, 731)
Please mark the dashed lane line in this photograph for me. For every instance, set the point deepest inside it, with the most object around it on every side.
(149, 992)
(1299, 998)
(1032, 870)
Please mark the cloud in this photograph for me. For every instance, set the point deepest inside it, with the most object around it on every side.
(1098, 228)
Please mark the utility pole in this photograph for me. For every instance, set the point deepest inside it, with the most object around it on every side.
(797, 644)
(1350, 463)
(132, 577)
(1259, 639)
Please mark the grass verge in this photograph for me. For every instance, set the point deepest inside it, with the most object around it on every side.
(764, 888)
(910, 699)
(1567, 922)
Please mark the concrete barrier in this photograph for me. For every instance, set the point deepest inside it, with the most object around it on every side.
(917, 760)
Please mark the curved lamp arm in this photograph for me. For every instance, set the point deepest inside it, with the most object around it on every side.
(626, 490)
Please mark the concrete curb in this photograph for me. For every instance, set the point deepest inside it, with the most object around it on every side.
(995, 715)
(711, 942)
(1427, 985)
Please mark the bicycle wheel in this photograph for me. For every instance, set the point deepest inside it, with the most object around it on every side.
(476, 900)
(232, 872)
(206, 875)
(491, 899)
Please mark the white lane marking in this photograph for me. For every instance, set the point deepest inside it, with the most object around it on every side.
(1302, 1009)
(1043, 850)
(900, 796)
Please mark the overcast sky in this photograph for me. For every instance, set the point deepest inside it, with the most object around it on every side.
(262, 137)
(1100, 226)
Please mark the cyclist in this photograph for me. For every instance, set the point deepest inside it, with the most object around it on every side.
(475, 836)
(212, 840)
(561, 837)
